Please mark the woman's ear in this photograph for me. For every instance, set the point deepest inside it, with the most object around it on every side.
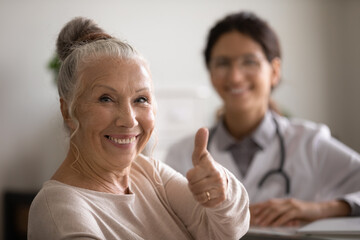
(276, 72)
(66, 115)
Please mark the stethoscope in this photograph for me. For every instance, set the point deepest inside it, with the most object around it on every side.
(280, 170)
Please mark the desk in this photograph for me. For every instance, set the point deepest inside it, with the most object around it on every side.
(276, 234)
(268, 237)
(345, 228)
(259, 237)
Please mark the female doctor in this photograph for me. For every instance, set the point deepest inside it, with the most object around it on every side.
(293, 170)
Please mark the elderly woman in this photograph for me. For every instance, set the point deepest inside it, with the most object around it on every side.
(105, 189)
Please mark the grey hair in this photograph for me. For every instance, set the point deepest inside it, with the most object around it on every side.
(80, 42)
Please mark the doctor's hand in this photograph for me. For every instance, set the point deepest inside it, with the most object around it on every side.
(294, 212)
(207, 179)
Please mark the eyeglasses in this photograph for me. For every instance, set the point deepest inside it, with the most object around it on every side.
(247, 64)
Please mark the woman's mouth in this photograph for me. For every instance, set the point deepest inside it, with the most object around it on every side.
(237, 90)
(127, 140)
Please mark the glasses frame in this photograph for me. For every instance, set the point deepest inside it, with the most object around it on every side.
(247, 64)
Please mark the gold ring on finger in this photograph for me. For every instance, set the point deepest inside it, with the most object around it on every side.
(208, 195)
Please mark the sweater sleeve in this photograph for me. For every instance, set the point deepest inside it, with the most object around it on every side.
(229, 220)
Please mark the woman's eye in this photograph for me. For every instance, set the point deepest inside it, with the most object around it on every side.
(222, 63)
(105, 99)
(249, 62)
(142, 100)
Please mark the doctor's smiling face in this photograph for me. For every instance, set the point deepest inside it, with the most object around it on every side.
(115, 112)
(241, 73)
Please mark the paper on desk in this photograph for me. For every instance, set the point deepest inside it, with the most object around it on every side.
(333, 226)
(274, 231)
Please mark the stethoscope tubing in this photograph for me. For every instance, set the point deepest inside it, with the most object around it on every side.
(280, 169)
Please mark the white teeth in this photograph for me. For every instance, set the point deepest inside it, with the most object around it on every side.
(123, 141)
(237, 90)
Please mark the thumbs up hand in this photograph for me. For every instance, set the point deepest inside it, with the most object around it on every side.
(207, 179)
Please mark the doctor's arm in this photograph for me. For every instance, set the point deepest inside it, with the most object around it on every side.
(293, 212)
(337, 170)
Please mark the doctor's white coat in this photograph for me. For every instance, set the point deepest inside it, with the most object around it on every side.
(319, 166)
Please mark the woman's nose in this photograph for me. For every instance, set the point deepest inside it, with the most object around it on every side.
(236, 73)
(126, 117)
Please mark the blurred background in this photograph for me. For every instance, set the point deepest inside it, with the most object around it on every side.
(321, 68)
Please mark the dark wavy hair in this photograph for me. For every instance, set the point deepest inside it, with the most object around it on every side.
(249, 24)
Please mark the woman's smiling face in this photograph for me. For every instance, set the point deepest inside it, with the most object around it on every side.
(115, 111)
(241, 74)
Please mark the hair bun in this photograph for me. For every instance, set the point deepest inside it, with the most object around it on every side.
(76, 31)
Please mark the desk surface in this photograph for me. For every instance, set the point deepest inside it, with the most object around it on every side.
(279, 233)
(251, 236)
(325, 229)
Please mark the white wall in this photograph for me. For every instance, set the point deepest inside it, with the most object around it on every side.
(320, 71)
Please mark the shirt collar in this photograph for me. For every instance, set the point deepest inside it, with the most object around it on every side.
(224, 137)
(265, 132)
(262, 135)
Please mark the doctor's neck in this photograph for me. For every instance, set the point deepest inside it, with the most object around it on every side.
(241, 124)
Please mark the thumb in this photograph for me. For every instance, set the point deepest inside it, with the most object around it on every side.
(200, 147)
